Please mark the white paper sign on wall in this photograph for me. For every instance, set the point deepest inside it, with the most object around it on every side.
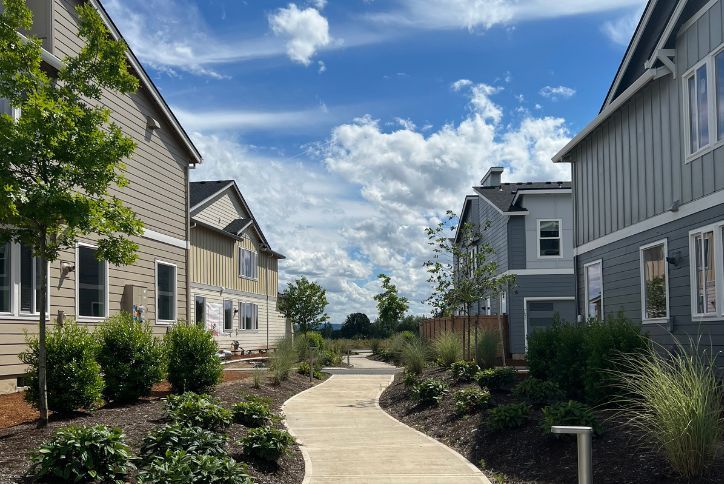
(214, 313)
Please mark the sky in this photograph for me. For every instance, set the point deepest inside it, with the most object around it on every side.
(351, 125)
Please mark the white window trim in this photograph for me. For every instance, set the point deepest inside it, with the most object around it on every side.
(643, 248)
(166, 322)
(223, 310)
(716, 228)
(711, 105)
(204, 298)
(526, 300)
(585, 285)
(15, 313)
(560, 238)
(241, 275)
(88, 319)
(242, 322)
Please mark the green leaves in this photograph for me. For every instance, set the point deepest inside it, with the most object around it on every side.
(252, 412)
(176, 436)
(267, 443)
(304, 302)
(192, 358)
(390, 306)
(430, 391)
(181, 467)
(198, 411)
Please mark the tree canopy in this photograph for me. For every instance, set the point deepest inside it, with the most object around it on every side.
(304, 303)
(356, 325)
(390, 306)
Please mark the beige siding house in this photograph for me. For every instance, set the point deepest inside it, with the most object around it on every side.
(158, 172)
(234, 271)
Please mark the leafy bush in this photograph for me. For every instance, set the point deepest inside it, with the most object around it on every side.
(448, 348)
(581, 357)
(396, 344)
(569, 413)
(282, 360)
(180, 467)
(267, 443)
(305, 369)
(410, 379)
(310, 343)
(464, 371)
(131, 358)
(495, 378)
(193, 364)
(83, 454)
(197, 411)
(376, 346)
(414, 356)
(676, 400)
(538, 392)
(486, 352)
(253, 412)
(176, 436)
(430, 391)
(73, 375)
(471, 399)
(509, 416)
(329, 357)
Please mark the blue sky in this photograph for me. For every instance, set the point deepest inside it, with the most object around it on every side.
(350, 125)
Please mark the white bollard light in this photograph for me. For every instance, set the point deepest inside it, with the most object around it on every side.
(585, 462)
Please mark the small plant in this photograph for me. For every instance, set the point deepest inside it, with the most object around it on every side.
(257, 376)
(305, 369)
(509, 416)
(253, 412)
(464, 371)
(414, 356)
(471, 399)
(182, 467)
(74, 379)
(132, 359)
(282, 360)
(193, 364)
(267, 443)
(448, 348)
(495, 378)
(538, 392)
(486, 352)
(198, 411)
(410, 379)
(83, 454)
(569, 413)
(375, 346)
(430, 391)
(175, 436)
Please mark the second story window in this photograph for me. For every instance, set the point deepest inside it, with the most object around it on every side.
(697, 98)
(549, 238)
(248, 264)
(704, 103)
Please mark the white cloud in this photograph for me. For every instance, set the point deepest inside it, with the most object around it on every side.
(557, 92)
(460, 84)
(620, 30)
(319, 4)
(292, 121)
(305, 30)
(322, 67)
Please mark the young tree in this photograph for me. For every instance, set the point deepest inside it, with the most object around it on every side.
(303, 302)
(462, 271)
(390, 306)
(59, 159)
(356, 325)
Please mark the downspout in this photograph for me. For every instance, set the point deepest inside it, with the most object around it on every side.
(266, 291)
(188, 248)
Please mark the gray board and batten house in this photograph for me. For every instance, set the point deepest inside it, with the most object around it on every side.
(648, 181)
(530, 227)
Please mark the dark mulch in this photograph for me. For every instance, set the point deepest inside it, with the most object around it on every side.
(18, 442)
(528, 455)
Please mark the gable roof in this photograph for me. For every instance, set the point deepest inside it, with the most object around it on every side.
(503, 197)
(201, 192)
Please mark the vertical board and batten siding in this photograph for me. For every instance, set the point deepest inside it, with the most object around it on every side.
(496, 234)
(516, 243)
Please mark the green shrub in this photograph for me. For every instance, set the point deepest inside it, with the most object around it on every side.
(193, 363)
(74, 378)
(430, 391)
(197, 411)
(471, 399)
(304, 369)
(580, 358)
(414, 356)
(410, 379)
(176, 436)
(396, 345)
(253, 412)
(495, 378)
(180, 467)
(375, 346)
(282, 360)
(486, 352)
(569, 413)
(257, 376)
(267, 443)
(538, 392)
(311, 343)
(448, 348)
(83, 454)
(464, 371)
(509, 416)
(329, 357)
(131, 358)
(676, 401)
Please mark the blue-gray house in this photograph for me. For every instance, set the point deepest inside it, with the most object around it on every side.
(648, 180)
(530, 227)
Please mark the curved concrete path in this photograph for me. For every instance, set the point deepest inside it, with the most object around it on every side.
(347, 438)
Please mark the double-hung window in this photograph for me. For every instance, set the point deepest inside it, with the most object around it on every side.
(248, 264)
(593, 274)
(165, 292)
(249, 316)
(549, 238)
(654, 281)
(91, 283)
(704, 103)
(704, 255)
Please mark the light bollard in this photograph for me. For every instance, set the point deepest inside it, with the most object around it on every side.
(585, 461)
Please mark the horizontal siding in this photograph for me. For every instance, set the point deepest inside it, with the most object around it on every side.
(221, 211)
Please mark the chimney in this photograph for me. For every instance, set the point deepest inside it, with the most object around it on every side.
(492, 177)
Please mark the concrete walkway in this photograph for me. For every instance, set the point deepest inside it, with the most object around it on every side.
(347, 438)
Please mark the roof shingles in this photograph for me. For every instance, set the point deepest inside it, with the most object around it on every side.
(502, 196)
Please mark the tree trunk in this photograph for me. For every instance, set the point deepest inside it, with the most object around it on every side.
(42, 355)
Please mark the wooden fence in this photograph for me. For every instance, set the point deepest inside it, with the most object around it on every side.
(465, 327)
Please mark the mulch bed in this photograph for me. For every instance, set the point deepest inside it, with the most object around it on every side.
(19, 441)
(528, 455)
